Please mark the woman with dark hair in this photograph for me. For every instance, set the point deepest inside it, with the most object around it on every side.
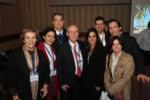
(119, 70)
(94, 66)
(47, 47)
(28, 70)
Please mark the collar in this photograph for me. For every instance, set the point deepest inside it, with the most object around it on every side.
(46, 45)
(58, 32)
(72, 44)
(116, 57)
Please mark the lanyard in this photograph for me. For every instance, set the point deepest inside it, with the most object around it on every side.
(34, 69)
(52, 55)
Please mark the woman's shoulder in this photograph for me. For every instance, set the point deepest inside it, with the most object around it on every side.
(127, 56)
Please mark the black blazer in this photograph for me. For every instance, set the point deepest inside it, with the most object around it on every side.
(107, 39)
(93, 72)
(19, 74)
(66, 65)
(130, 46)
(57, 43)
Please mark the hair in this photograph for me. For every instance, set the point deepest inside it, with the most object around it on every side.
(113, 38)
(24, 31)
(149, 25)
(116, 21)
(99, 18)
(97, 38)
(46, 30)
(57, 14)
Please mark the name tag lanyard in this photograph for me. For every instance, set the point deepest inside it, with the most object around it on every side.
(34, 69)
(52, 55)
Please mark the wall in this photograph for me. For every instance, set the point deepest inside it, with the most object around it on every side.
(37, 14)
(10, 23)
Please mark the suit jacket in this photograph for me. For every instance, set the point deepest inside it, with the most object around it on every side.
(107, 40)
(130, 46)
(19, 74)
(122, 75)
(66, 65)
(93, 71)
(57, 43)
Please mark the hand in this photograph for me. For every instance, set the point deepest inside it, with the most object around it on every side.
(65, 87)
(44, 90)
(16, 97)
(97, 88)
(143, 78)
(118, 96)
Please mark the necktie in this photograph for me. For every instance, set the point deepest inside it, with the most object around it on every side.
(76, 58)
(103, 41)
(60, 38)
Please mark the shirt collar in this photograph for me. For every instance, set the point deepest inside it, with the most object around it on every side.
(58, 32)
(46, 45)
(72, 44)
(116, 57)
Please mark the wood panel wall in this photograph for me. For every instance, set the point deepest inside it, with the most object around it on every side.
(10, 23)
(37, 14)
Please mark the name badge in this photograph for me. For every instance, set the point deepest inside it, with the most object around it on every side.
(53, 72)
(34, 77)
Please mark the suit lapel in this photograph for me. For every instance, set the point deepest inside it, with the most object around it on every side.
(69, 54)
(23, 62)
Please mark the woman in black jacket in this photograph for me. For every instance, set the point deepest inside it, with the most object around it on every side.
(28, 71)
(94, 65)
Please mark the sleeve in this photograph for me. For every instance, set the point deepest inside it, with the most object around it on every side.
(138, 57)
(128, 71)
(11, 74)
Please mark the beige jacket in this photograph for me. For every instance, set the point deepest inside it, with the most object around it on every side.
(122, 75)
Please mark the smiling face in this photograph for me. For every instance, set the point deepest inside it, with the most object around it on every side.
(58, 22)
(116, 47)
(30, 40)
(73, 33)
(99, 25)
(49, 38)
(92, 38)
(114, 29)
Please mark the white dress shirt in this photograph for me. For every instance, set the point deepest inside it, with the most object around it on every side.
(102, 38)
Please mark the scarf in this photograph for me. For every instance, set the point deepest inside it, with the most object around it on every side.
(32, 65)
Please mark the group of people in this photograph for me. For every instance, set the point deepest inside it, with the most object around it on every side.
(60, 67)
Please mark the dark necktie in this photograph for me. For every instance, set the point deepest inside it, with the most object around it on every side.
(60, 37)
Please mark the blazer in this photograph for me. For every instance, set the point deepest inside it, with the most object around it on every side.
(66, 65)
(93, 71)
(122, 75)
(19, 74)
(130, 46)
(57, 43)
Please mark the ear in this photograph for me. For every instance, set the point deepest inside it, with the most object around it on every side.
(120, 28)
(67, 34)
(43, 37)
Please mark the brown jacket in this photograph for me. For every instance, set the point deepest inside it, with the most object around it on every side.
(122, 75)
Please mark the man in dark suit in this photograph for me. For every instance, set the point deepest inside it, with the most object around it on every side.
(131, 47)
(70, 62)
(58, 24)
(100, 27)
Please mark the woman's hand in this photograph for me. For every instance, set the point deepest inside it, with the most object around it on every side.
(44, 90)
(16, 97)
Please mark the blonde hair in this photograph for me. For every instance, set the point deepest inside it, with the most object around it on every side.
(24, 31)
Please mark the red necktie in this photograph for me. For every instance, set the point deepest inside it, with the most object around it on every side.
(76, 58)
